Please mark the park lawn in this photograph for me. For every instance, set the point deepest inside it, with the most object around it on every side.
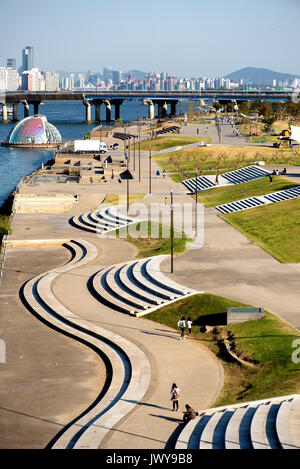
(152, 239)
(220, 159)
(225, 194)
(266, 343)
(162, 143)
(116, 199)
(276, 227)
(4, 224)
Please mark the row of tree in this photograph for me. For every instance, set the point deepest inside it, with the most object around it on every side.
(270, 111)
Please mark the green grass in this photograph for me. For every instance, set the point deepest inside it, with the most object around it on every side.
(142, 235)
(115, 199)
(4, 224)
(225, 194)
(162, 143)
(276, 227)
(220, 159)
(266, 342)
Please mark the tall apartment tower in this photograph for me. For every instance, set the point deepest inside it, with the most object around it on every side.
(11, 63)
(27, 58)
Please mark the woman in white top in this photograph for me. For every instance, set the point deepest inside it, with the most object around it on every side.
(189, 325)
(175, 396)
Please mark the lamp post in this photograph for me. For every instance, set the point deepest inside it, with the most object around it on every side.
(172, 230)
(150, 169)
(127, 185)
(196, 213)
(139, 155)
(139, 132)
(134, 153)
(100, 127)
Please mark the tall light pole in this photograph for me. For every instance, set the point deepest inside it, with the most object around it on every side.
(134, 153)
(172, 231)
(139, 156)
(150, 170)
(196, 213)
(139, 132)
(127, 186)
(100, 127)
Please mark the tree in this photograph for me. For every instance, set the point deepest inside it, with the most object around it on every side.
(244, 107)
(217, 105)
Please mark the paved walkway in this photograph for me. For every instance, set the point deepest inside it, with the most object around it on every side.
(227, 264)
(29, 423)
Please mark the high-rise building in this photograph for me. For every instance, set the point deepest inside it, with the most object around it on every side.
(27, 58)
(116, 76)
(11, 63)
(107, 73)
(31, 80)
(9, 79)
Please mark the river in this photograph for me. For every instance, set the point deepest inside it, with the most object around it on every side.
(68, 117)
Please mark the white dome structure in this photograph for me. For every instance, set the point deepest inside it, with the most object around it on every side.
(34, 130)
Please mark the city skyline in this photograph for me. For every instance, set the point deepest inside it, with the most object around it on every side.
(198, 40)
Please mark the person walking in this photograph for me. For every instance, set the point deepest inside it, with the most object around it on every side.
(175, 396)
(270, 178)
(166, 200)
(164, 173)
(189, 325)
(181, 324)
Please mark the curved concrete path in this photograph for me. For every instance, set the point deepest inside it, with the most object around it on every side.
(193, 367)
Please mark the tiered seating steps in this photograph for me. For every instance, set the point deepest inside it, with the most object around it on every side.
(29, 203)
(137, 287)
(102, 221)
(252, 202)
(265, 424)
(237, 176)
(129, 371)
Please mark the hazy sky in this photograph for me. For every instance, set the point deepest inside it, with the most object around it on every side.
(182, 37)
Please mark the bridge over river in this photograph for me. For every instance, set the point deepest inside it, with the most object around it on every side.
(115, 98)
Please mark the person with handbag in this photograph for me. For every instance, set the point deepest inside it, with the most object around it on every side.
(181, 324)
(175, 396)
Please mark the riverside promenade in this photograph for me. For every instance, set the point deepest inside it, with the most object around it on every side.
(49, 378)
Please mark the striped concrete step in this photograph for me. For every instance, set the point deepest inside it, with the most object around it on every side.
(200, 183)
(288, 424)
(265, 424)
(263, 430)
(129, 371)
(213, 435)
(237, 435)
(136, 287)
(102, 221)
(237, 176)
(252, 202)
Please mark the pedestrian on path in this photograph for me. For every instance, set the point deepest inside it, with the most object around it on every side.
(189, 414)
(217, 179)
(157, 173)
(164, 173)
(270, 177)
(175, 396)
(189, 325)
(181, 324)
(166, 200)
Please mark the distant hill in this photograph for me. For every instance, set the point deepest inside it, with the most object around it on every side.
(139, 75)
(259, 75)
